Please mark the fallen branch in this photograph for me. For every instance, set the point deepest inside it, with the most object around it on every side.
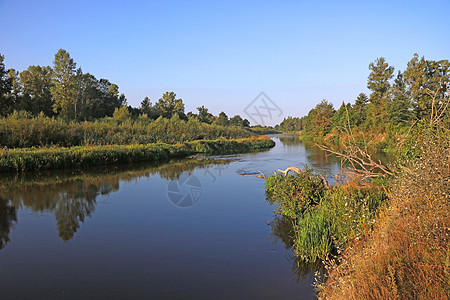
(299, 171)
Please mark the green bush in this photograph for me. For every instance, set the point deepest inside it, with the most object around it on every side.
(325, 218)
(294, 194)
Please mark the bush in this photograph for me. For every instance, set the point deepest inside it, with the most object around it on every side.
(325, 218)
(294, 194)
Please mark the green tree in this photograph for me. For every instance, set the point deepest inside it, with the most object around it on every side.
(64, 87)
(17, 99)
(360, 109)
(145, 105)
(122, 114)
(321, 118)
(426, 79)
(222, 119)
(343, 115)
(237, 121)
(378, 83)
(37, 84)
(204, 116)
(6, 101)
(400, 112)
(169, 105)
(290, 124)
(148, 109)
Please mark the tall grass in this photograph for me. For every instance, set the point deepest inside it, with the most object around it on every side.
(408, 254)
(27, 159)
(325, 219)
(21, 131)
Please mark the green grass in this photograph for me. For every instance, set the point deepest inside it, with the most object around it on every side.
(28, 159)
(324, 218)
(21, 131)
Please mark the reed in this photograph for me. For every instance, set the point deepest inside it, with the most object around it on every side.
(28, 159)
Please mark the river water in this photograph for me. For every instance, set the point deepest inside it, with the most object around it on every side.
(197, 228)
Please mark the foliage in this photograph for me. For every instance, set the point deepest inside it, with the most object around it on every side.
(295, 194)
(64, 89)
(394, 104)
(168, 106)
(6, 103)
(290, 124)
(21, 130)
(61, 157)
(406, 257)
(121, 114)
(325, 218)
(258, 129)
(318, 121)
(222, 119)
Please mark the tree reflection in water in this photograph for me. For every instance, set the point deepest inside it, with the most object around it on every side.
(71, 195)
(8, 216)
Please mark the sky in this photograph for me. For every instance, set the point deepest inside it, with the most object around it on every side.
(223, 54)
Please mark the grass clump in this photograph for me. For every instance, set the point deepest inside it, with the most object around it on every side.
(325, 218)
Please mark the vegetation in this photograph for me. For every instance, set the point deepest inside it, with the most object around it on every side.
(396, 103)
(264, 130)
(59, 116)
(324, 218)
(407, 255)
(388, 237)
(22, 130)
(66, 92)
(27, 159)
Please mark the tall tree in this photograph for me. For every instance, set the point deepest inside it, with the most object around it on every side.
(237, 121)
(400, 112)
(319, 119)
(426, 79)
(37, 84)
(169, 105)
(360, 108)
(148, 109)
(222, 119)
(6, 101)
(17, 99)
(64, 87)
(204, 116)
(378, 83)
(343, 115)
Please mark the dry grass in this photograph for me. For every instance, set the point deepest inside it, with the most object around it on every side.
(408, 254)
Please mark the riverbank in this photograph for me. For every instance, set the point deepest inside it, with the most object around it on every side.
(33, 159)
(325, 218)
(387, 239)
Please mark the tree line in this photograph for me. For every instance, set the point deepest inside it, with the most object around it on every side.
(394, 104)
(66, 92)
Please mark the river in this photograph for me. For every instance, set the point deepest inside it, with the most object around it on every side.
(189, 229)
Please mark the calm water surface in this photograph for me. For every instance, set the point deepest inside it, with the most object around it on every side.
(190, 229)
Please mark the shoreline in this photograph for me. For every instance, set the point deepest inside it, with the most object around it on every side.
(35, 159)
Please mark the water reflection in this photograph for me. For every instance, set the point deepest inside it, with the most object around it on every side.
(282, 230)
(71, 195)
(8, 216)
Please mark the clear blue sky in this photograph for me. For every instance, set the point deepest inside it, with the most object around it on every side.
(222, 54)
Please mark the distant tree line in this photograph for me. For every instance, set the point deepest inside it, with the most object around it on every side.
(65, 91)
(395, 102)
